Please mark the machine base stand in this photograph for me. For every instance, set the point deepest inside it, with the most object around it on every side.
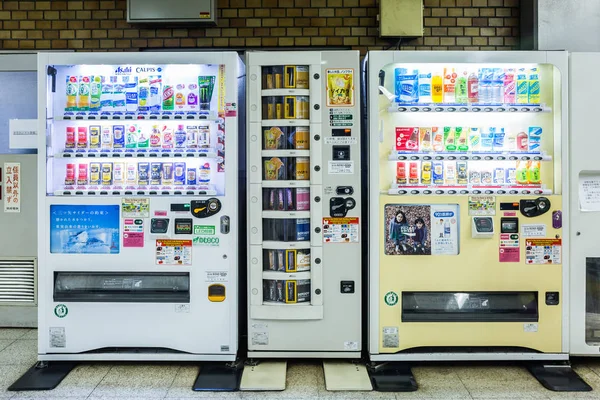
(218, 377)
(558, 378)
(392, 377)
(266, 375)
(346, 376)
(44, 375)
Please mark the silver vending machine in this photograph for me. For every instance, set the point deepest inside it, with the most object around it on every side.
(18, 190)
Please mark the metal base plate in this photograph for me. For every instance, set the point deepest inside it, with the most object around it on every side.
(346, 376)
(43, 376)
(218, 377)
(393, 377)
(267, 375)
(558, 378)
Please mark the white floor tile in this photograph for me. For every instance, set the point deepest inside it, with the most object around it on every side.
(13, 333)
(19, 352)
(137, 381)
(8, 375)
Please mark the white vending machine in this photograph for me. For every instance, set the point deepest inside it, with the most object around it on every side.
(138, 163)
(584, 174)
(304, 220)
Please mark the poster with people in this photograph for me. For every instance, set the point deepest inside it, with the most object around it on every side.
(421, 229)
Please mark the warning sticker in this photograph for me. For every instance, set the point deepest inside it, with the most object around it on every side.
(216, 276)
(340, 230)
(260, 338)
(533, 230)
(543, 251)
(341, 167)
(390, 337)
(342, 140)
(173, 252)
(57, 336)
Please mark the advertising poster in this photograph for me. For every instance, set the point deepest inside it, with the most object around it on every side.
(340, 230)
(84, 229)
(482, 205)
(421, 229)
(12, 187)
(135, 208)
(173, 252)
(340, 87)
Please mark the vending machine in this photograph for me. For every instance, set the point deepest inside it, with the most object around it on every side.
(584, 173)
(138, 163)
(18, 209)
(304, 220)
(468, 191)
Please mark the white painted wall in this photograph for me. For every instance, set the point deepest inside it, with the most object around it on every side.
(572, 25)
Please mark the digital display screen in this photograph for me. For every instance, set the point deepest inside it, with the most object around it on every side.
(509, 225)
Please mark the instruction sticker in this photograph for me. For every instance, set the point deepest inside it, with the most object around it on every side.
(133, 233)
(260, 338)
(340, 230)
(543, 251)
(533, 230)
(216, 276)
(482, 205)
(12, 187)
(509, 250)
(173, 252)
(390, 337)
(341, 167)
(341, 140)
(135, 207)
(204, 230)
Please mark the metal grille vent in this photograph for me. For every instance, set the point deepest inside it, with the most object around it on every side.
(17, 281)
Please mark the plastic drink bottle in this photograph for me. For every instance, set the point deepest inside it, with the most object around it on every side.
(497, 92)
(72, 91)
(437, 89)
(461, 88)
(510, 86)
(425, 87)
(95, 92)
(473, 88)
(522, 168)
(438, 139)
(180, 137)
(522, 87)
(474, 139)
(204, 173)
(522, 141)
(534, 86)
(83, 100)
(449, 85)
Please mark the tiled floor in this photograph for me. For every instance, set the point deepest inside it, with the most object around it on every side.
(304, 380)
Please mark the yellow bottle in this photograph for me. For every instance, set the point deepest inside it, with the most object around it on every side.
(437, 89)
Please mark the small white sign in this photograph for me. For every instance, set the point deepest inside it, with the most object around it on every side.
(216, 276)
(22, 133)
(533, 230)
(533, 327)
(12, 187)
(341, 140)
(341, 167)
(589, 192)
(182, 308)
(350, 346)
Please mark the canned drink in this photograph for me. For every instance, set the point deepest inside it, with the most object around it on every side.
(290, 261)
(70, 175)
(268, 82)
(107, 174)
(461, 173)
(94, 173)
(290, 107)
(95, 137)
(118, 133)
(280, 260)
(289, 79)
(280, 291)
(270, 103)
(118, 173)
(107, 137)
(203, 136)
(302, 199)
(277, 77)
(302, 138)
(155, 173)
(302, 229)
(179, 173)
(191, 176)
(401, 173)
(167, 173)
(143, 173)
(303, 290)
(302, 168)
(82, 138)
(82, 174)
(279, 107)
(290, 292)
(192, 136)
(131, 174)
(70, 138)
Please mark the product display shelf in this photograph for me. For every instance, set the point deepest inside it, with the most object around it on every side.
(464, 108)
(285, 122)
(285, 214)
(412, 190)
(137, 191)
(285, 92)
(200, 153)
(279, 275)
(136, 116)
(473, 156)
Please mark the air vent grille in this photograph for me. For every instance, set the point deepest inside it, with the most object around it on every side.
(17, 281)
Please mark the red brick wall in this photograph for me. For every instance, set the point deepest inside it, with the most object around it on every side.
(101, 26)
